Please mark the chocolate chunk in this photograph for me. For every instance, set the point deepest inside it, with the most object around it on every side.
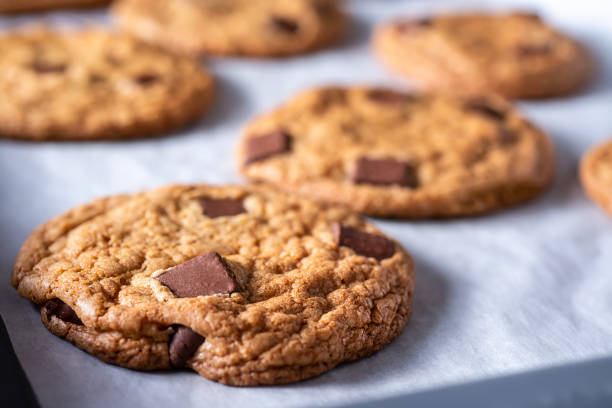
(506, 136)
(414, 25)
(528, 50)
(362, 242)
(56, 307)
(218, 8)
(96, 78)
(114, 60)
(220, 207)
(324, 9)
(183, 345)
(285, 25)
(266, 145)
(384, 171)
(43, 67)
(481, 106)
(389, 97)
(527, 15)
(203, 275)
(146, 79)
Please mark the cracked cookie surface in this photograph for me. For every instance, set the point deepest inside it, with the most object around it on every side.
(596, 175)
(95, 85)
(515, 55)
(388, 153)
(308, 285)
(235, 27)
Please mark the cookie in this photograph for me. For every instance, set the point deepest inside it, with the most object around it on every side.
(244, 285)
(596, 175)
(260, 28)
(13, 6)
(95, 85)
(388, 153)
(515, 55)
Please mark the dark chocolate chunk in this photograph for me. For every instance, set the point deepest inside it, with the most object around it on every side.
(146, 79)
(266, 145)
(389, 97)
(324, 9)
(528, 50)
(114, 60)
(384, 171)
(527, 15)
(218, 8)
(96, 78)
(362, 242)
(285, 25)
(220, 207)
(506, 136)
(203, 275)
(183, 345)
(481, 106)
(56, 307)
(43, 67)
(414, 25)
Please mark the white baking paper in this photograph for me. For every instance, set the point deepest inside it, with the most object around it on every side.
(502, 293)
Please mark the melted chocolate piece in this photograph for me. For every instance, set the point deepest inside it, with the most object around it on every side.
(58, 308)
(285, 25)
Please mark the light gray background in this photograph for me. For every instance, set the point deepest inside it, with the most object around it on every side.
(519, 289)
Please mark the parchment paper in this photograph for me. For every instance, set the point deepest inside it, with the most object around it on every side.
(519, 289)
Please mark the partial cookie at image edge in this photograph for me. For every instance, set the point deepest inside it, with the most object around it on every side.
(598, 190)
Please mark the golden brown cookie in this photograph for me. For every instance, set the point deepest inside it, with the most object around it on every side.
(95, 85)
(516, 55)
(596, 175)
(236, 27)
(395, 154)
(244, 285)
(14, 6)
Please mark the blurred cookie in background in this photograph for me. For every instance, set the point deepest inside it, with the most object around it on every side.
(393, 154)
(516, 55)
(18, 6)
(95, 85)
(596, 175)
(263, 28)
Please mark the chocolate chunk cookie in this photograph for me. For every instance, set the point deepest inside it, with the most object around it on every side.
(13, 6)
(95, 85)
(237, 27)
(596, 175)
(244, 285)
(389, 153)
(516, 55)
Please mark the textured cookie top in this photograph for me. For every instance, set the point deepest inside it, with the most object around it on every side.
(517, 54)
(299, 284)
(596, 175)
(94, 85)
(395, 154)
(238, 27)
